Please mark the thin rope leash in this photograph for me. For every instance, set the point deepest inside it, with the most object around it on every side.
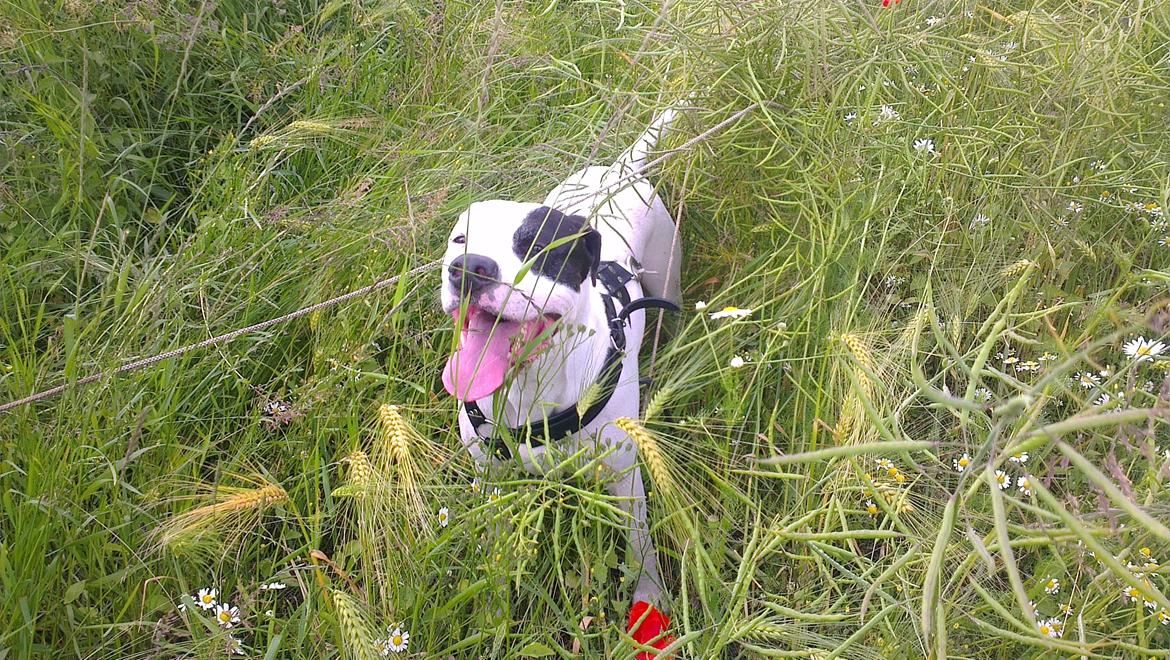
(218, 339)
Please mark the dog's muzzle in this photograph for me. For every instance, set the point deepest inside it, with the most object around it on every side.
(471, 274)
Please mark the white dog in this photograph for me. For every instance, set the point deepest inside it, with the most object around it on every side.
(547, 355)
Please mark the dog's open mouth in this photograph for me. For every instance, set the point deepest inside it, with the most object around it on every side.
(488, 347)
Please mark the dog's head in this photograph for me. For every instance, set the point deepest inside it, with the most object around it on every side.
(511, 273)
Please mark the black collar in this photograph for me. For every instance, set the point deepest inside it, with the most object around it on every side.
(613, 279)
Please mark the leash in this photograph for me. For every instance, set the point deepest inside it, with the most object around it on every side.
(218, 339)
(571, 420)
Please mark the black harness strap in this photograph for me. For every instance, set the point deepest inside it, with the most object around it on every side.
(618, 308)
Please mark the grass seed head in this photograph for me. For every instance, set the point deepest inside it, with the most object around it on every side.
(354, 626)
(859, 350)
(651, 452)
(1018, 268)
(361, 471)
(230, 514)
(395, 431)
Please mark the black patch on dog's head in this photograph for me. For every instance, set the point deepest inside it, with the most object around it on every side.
(568, 263)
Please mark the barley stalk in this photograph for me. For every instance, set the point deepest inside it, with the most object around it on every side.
(354, 626)
(261, 141)
(361, 471)
(239, 502)
(1018, 268)
(309, 126)
(395, 432)
(859, 350)
(651, 453)
(658, 402)
(398, 457)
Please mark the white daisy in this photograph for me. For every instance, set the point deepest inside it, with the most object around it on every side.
(1102, 400)
(730, 313)
(736, 362)
(1142, 349)
(226, 615)
(1050, 627)
(1030, 366)
(1075, 207)
(885, 464)
(982, 395)
(236, 646)
(850, 116)
(700, 305)
(495, 495)
(961, 463)
(444, 516)
(397, 642)
(932, 21)
(887, 114)
(1052, 587)
(1025, 486)
(1087, 379)
(273, 586)
(205, 599)
(925, 145)
(1002, 480)
(1020, 457)
(1164, 617)
(980, 220)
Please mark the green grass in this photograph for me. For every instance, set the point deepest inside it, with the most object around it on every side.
(168, 173)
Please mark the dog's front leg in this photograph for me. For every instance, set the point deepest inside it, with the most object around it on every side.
(647, 624)
(627, 487)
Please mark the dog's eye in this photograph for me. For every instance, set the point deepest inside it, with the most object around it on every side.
(537, 248)
(459, 240)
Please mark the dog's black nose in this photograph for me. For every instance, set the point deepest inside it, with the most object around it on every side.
(472, 273)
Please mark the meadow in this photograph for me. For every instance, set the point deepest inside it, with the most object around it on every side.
(937, 426)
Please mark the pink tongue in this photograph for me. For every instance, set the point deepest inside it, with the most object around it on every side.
(477, 369)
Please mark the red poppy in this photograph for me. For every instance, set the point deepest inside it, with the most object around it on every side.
(653, 624)
(887, 3)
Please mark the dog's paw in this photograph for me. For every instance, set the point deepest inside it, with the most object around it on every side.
(648, 626)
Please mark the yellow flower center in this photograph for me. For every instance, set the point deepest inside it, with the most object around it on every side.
(1143, 350)
(207, 598)
(396, 640)
(225, 616)
(731, 309)
(964, 461)
(1045, 629)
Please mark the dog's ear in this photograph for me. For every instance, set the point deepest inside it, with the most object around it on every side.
(591, 241)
